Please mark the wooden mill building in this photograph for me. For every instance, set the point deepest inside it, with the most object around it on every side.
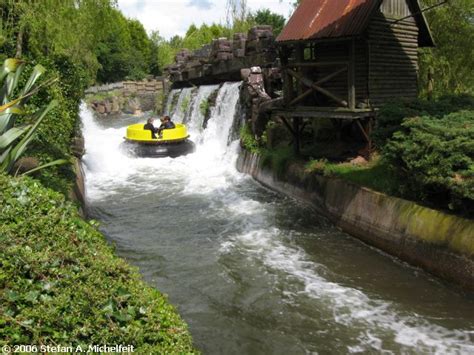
(342, 59)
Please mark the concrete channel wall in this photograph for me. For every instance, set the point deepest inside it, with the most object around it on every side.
(440, 243)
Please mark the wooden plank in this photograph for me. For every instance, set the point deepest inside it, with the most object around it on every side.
(318, 113)
(296, 130)
(310, 83)
(318, 64)
(287, 125)
(351, 94)
(319, 82)
(367, 138)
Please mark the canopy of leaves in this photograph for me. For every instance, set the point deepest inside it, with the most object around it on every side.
(92, 34)
(266, 17)
(452, 60)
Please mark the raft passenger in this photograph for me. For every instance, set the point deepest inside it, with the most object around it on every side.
(166, 123)
(149, 126)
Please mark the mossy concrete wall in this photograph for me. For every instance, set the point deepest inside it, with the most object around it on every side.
(440, 243)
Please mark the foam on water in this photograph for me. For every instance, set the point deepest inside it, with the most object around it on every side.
(374, 319)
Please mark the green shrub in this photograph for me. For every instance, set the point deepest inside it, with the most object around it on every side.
(248, 140)
(61, 283)
(435, 159)
(391, 116)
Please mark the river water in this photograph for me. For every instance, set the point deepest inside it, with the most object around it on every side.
(251, 271)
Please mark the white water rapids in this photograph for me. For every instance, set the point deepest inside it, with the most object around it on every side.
(250, 270)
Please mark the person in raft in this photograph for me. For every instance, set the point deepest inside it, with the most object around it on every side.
(149, 126)
(166, 123)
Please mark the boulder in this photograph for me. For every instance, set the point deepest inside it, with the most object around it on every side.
(100, 108)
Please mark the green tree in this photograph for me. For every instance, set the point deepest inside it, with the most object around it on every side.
(267, 17)
(452, 60)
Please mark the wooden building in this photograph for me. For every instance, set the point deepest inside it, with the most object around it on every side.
(342, 59)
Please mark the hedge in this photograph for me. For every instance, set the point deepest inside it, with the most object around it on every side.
(391, 115)
(61, 283)
(435, 159)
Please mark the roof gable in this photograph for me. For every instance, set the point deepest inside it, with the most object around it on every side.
(323, 19)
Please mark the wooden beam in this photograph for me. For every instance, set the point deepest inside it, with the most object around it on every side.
(319, 82)
(311, 84)
(324, 112)
(351, 95)
(363, 131)
(296, 129)
(316, 64)
(287, 125)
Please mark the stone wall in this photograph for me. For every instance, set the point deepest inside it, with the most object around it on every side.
(127, 96)
(438, 242)
(223, 59)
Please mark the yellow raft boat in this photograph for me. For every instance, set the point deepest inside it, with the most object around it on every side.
(172, 142)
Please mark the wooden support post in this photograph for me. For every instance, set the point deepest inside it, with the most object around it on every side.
(366, 136)
(351, 97)
(287, 125)
(296, 130)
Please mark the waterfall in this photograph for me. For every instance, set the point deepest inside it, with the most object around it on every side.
(199, 103)
(107, 165)
(182, 106)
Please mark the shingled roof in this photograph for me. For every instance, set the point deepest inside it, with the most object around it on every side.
(324, 19)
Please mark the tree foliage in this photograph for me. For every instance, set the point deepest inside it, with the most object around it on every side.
(452, 60)
(267, 17)
(92, 34)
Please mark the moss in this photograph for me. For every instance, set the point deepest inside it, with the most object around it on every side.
(62, 284)
(436, 227)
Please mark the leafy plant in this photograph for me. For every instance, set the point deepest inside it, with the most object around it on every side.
(61, 282)
(435, 159)
(204, 107)
(248, 140)
(14, 140)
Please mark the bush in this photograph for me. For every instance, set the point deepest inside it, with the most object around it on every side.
(61, 283)
(435, 159)
(248, 140)
(391, 116)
